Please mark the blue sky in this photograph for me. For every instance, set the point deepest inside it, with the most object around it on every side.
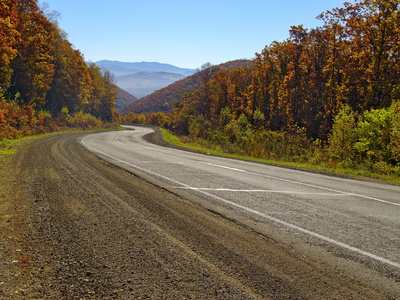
(185, 33)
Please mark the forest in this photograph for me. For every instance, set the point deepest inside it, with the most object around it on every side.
(45, 84)
(328, 96)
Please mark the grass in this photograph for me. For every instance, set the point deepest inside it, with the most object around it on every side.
(355, 173)
(8, 147)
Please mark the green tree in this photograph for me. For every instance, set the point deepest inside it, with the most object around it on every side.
(374, 136)
(343, 136)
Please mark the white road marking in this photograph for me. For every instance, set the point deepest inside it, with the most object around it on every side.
(260, 191)
(161, 162)
(250, 210)
(220, 166)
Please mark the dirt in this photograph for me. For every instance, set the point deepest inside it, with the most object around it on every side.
(76, 227)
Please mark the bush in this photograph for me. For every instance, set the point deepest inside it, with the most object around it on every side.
(374, 136)
(395, 131)
(83, 120)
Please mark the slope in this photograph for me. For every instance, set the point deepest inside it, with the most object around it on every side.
(124, 98)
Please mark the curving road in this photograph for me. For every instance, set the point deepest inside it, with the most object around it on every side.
(350, 225)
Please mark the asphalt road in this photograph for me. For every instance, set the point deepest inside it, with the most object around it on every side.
(350, 225)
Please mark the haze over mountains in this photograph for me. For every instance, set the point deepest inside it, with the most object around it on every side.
(143, 78)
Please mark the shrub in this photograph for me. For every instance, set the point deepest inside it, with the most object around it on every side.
(374, 136)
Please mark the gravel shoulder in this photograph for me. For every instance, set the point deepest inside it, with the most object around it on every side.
(77, 227)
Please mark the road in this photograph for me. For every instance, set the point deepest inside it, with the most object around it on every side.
(110, 216)
(339, 219)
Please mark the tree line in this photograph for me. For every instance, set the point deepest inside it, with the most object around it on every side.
(294, 94)
(40, 71)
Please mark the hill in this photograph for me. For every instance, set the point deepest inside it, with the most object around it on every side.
(163, 99)
(144, 83)
(124, 98)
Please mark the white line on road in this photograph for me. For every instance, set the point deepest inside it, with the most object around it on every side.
(260, 191)
(220, 166)
(255, 212)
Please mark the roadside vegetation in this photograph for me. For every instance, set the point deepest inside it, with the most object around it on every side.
(362, 145)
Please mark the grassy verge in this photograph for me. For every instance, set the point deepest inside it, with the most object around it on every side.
(360, 174)
(8, 147)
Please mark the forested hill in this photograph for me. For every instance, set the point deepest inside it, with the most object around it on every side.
(124, 98)
(164, 99)
(41, 72)
(328, 95)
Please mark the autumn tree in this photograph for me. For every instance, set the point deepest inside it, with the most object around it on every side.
(71, 83)
(371, 31)
(103, 94)
(33, 66)
(9, 37)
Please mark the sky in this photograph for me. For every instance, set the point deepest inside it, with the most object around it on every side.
(184, 33)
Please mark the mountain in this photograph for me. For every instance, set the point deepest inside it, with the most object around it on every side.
(144, 83)
(164, 99)
(124, 98)
(125, 68)
(143, 78)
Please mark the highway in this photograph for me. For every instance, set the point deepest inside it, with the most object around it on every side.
(347, 224)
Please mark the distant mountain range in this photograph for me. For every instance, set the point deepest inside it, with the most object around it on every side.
(119, 68)
(143, 78)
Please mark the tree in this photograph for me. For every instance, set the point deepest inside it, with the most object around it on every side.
(371, 30)
(64, 89)
(33, 66)
(109, 98)
(103, 94)
(343, 136)
(9, 36)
